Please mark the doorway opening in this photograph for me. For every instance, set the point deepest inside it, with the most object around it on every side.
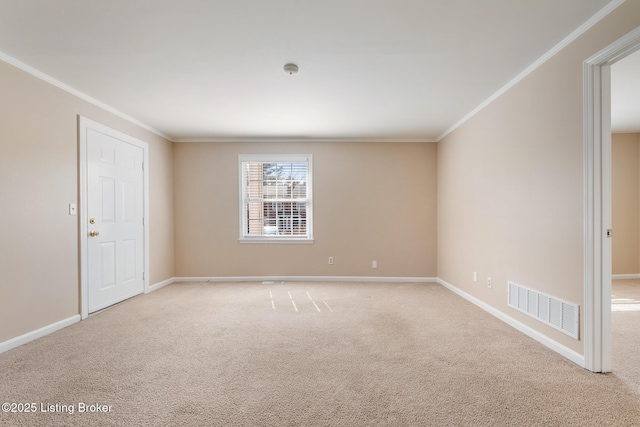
(625, 183)
(597, 209)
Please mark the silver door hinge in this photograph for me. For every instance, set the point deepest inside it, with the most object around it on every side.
(143, 275)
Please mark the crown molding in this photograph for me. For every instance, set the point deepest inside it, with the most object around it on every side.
(75, 92)
(610, 7)
(303, 140)
(65, 87)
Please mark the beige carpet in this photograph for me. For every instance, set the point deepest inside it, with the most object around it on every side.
(204, 354)
(625, 326)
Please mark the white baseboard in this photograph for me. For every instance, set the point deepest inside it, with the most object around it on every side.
(625, 276)
(33, 335)
(528, 331)
(308, 279)
(160, 285)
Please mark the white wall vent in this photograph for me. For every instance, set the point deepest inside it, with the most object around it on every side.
(556, 313)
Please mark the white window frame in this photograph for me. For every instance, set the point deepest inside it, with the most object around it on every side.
(275, 158)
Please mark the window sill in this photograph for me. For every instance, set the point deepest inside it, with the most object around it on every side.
(275, 241)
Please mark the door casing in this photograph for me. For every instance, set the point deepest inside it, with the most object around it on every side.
(597, 200)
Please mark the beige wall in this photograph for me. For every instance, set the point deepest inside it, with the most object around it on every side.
(625, 199)
(38, 179)
(510, 184)
(372, 201)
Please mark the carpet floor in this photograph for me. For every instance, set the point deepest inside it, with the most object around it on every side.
(625, 326)
(303, 354)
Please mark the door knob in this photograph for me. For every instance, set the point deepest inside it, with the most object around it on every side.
(94, 233)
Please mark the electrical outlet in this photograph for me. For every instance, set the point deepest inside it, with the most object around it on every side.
(330, 260)
(374, 264)
(488, 282)
(475, 276)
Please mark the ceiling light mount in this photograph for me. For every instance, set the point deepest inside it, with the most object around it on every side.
(290, 68)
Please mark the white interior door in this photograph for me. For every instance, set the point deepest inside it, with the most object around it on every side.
(115, 215)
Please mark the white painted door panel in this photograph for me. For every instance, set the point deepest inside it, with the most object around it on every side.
(115, 205)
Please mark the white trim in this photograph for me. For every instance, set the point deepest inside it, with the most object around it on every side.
(625, 276)
(610, 7)
(38, 333)
(75, 92)
(82, 218)
(575, 357)
(308, 279)
(160, 285)
(597, 200)
(284, 157)
(298, 140)
(147, 212)
(83, 125)
(288, 240)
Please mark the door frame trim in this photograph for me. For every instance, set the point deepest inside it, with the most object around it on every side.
(597, 199)
(84, 125)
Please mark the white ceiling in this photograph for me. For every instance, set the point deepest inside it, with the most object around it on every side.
(212, 69)
(625, 94)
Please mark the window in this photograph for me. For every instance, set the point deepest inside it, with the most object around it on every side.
(275, 198)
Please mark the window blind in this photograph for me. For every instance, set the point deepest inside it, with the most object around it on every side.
(275, 197)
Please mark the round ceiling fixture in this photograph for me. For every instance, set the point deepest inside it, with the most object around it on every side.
(290, 68)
